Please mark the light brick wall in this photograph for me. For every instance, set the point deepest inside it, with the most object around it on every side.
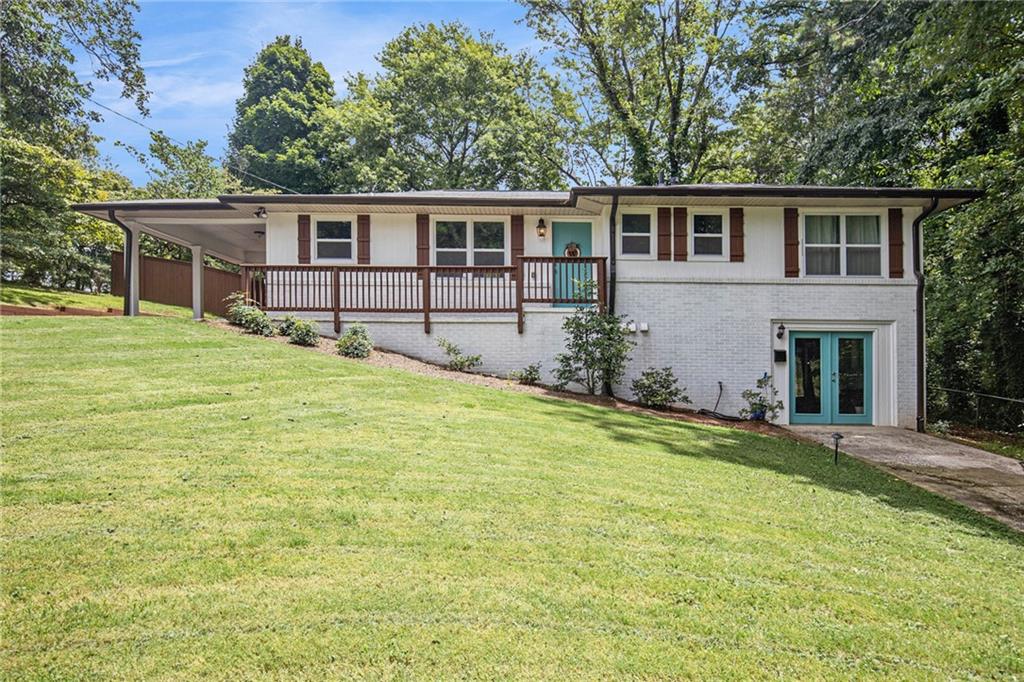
(717, 331)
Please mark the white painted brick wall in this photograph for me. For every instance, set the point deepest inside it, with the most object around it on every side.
(706, 331)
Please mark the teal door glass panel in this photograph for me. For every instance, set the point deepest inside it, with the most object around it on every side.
(568, 238)
(809, 392)
(830, 378)
(852, 380)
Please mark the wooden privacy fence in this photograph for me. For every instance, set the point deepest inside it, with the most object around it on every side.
(425, 289)
(170, 281)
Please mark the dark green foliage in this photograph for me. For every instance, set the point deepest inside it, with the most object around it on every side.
(763, 402)
(355, 342)
(278, 116)
(596, 348)
(304, 333)
(457, 361)
(285, 326)
(250, 318)
(658, 388)
(528, 376)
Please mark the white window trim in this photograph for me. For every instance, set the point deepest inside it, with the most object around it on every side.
(883, 242)
(691, 214)
(313, 220)
(469, 220)
(653, 235)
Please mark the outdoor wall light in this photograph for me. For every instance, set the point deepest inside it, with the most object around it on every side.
(542, 229)
(260, 213)
(782, 332)
(259, 234)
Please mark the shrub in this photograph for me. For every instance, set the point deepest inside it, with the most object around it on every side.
(355, 342)
(596, 347)
(304, 333)
(528, 376)
(762, 402)
(254, 320)
(285, 326)
(236, 303)
(658, 388)
(456, 360)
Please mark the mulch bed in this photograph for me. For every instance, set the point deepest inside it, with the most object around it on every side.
(385, 358)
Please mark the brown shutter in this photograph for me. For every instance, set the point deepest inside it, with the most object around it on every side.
(679, 232)
(896, 243)
(363, 238)
(516, 238)
(664, 233)
(422, 239)
(791, 223)
(736, 235)
(303, 239)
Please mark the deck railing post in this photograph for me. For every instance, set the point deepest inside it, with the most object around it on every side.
(336, 297)
(519, 293)
(425, 275)
(602, 293)
(245, 285)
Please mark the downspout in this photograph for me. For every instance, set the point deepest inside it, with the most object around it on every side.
(611, 270)
(919, 275)
(128, 236)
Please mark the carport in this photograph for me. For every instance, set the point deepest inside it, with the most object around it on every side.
(205, 226)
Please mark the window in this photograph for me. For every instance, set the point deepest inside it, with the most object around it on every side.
(636, 234)
(454, 240)
(843, 245)
(708, 235)
(488, 243)
(334, 239)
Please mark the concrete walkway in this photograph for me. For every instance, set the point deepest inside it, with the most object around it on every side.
(990, 483)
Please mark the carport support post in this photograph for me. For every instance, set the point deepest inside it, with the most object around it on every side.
(133, 280)
(197, 282)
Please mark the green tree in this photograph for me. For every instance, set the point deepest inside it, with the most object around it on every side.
(278, 116)
(450, 110)
(657, 72)
(181, 171)
(43, 98)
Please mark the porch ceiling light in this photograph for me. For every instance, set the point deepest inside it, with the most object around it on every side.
(260, 213)
(259, 233)
(542, 229)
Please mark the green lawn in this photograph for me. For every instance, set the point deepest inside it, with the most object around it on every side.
(17, 294)
(183, 502)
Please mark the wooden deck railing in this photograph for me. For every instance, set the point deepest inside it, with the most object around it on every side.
(432, 289)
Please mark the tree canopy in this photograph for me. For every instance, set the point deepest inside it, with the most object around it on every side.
(450, 109)
(277, 117)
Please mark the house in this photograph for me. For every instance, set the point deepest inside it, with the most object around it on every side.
(820, 287)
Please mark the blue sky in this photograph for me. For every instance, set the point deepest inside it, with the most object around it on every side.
(194, 54)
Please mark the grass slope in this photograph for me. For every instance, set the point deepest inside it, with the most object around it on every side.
(17, 294)
(183, 502)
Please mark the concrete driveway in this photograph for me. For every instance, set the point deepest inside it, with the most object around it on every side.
(989, 483)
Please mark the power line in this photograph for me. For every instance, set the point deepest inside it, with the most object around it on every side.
(179, 142)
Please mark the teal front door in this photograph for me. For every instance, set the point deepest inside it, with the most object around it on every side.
(830, 378)
(570, 239)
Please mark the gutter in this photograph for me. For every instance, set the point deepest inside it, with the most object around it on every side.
(919, 275)
(128, 237)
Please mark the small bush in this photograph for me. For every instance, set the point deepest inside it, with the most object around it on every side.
(236, 303)
(355, 342)
(596, 346)
(658, 388)
(528, 376)
(456, 360)
(304, 333)
(254, 320)
(762, 402)
(285, 326)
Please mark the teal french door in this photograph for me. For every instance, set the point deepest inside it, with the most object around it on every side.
(830, 378)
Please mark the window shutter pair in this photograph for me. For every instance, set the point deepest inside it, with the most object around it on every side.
(362, 239)
(672, 232)
(791, 229)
